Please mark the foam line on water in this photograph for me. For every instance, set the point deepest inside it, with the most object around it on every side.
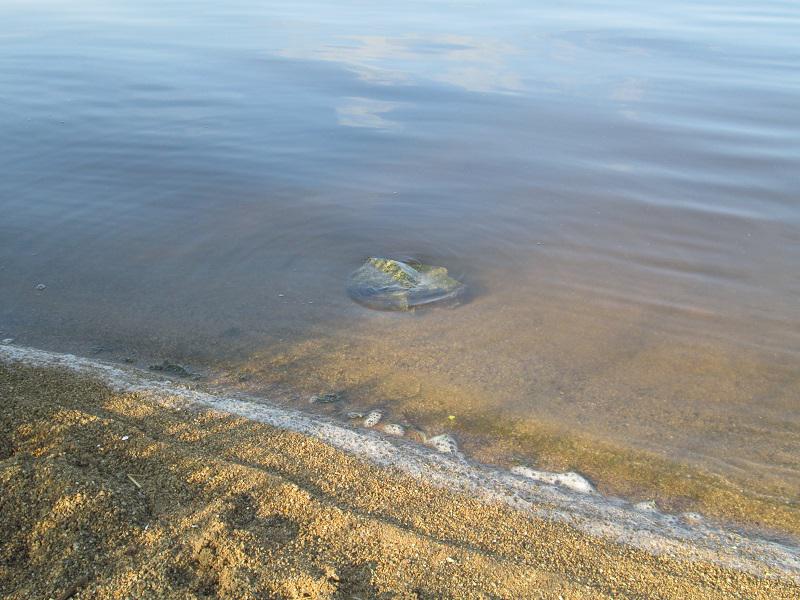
(558, 496)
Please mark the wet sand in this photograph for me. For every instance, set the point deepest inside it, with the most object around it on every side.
(743, 469)
(113, 495)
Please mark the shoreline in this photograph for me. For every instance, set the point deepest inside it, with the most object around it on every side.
(688, 540)
(675, 474)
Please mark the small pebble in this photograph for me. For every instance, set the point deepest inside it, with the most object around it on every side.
(41, 287)
(443, 443)
(692, 518)
(646, 506)
(394, 429)
(373, 418)
(326, 398)
(568, 479)
(355, 415)
(169, 367)
(125, 438)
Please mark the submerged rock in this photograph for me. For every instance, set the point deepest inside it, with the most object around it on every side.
(443, 443)
(373, 418)
(394, 429)
(387, 284)
(648, 506)
(171, 368)
(328, 398)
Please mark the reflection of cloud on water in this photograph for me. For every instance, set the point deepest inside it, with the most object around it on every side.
(475, 80)
(565, 51)
(620, 167)
(365, 112)
(630, 90)
(477, 65)
(631, 115)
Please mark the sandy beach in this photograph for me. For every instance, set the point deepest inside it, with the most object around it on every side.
(399, 300)
(117, 495)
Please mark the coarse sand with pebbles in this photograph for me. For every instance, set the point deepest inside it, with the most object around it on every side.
(109, 495)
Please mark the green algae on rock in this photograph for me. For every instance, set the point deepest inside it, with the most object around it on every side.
(387, 284)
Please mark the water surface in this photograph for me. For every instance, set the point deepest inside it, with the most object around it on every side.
(617, 182)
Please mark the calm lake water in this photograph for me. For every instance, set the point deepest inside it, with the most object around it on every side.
(617, 182)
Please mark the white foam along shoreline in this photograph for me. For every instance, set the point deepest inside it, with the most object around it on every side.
(555, 496)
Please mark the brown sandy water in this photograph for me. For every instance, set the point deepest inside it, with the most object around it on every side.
(616, 184)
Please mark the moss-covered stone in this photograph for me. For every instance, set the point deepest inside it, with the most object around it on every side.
(387, 284)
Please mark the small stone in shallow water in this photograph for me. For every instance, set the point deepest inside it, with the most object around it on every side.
(170, 367)
(570, 479)
(646, 506)
(328, 398)
(373, 418)
(41, 287)
(394, 429)
(387, 284)
(692, 518)
(355, 415)
(443, 443)
(416, 434)
(8, 341)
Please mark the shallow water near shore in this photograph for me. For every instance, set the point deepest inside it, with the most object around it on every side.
(616, 184)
